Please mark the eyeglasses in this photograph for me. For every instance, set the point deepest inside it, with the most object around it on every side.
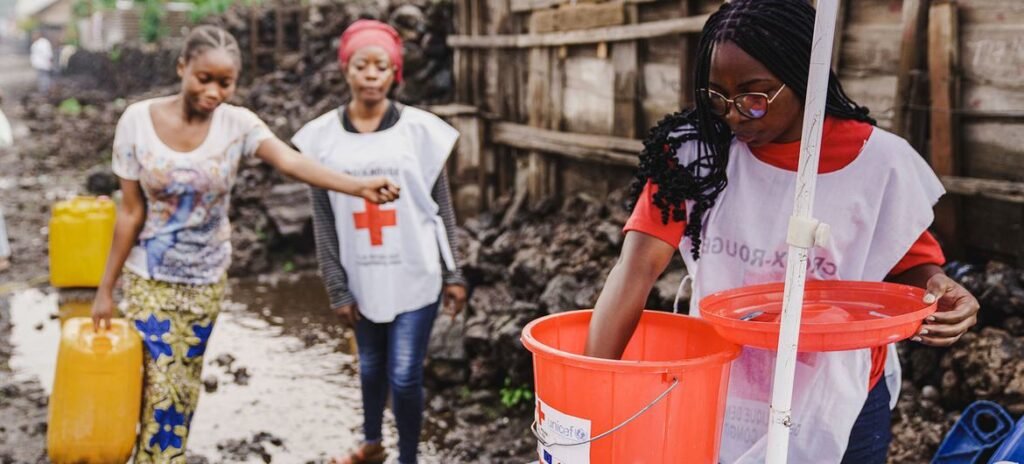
(753, 105)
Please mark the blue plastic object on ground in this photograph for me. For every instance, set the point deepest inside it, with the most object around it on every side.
(982, 427)
(1012, 449)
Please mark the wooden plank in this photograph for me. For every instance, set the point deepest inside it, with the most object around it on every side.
(688, 56)
(943, 63)
(1002, 232)
(496, 14)
(542, 21)
(453, 109)
(626, 63)
(589, 99)
(915, 16)
(460, 58)
(477, 59)
(571, 145)
(874, 92)
(943, 45)
(1002, 190)
(537, 171)
(590, 16)
(690, 25)
(556, 92)
(578, 17)
(837, 41)
(871, 49)
(993, 54)
(995, 150)
(991, 11)
(875, 12)
(992, 115)
(278, 30)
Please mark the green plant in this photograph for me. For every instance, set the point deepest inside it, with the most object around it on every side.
(82, 8)
(203, 8)
(512, 396)
(28, 24)
(288, 266)
(115, 54)
(70, 107)
(151, 25)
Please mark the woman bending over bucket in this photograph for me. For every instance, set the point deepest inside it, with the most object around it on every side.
(386, 270)
(716, 183)
(177, 159)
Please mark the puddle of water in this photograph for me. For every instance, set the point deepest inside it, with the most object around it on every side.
(35, 336)
(303, 385)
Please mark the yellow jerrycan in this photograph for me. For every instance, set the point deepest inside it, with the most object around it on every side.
(97, 391)
(81, 230)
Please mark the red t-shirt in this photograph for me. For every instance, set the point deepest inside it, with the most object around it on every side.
(843, 141)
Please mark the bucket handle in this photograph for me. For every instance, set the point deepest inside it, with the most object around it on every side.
(536, 433)
(679, 292)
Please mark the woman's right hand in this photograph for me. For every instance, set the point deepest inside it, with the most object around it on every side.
(378, 190)
(349, 314)
(102, 309)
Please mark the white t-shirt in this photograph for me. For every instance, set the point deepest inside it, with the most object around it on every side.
(41, 55)
(186, 237)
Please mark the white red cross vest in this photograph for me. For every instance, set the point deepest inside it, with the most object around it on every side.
(391, 253)
(877, 207)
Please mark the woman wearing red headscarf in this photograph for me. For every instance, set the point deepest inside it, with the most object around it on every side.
(386, 270)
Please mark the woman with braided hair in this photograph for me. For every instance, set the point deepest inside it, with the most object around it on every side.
(177, 159)
(716, 182)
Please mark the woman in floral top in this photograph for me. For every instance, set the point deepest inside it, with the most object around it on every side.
(177, 159)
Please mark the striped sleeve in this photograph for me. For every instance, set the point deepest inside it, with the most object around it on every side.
(442, 195)
(327, 250)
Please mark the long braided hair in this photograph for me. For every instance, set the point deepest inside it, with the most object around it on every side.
(777, 33)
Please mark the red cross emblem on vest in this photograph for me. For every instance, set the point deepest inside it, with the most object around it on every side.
(375, 220)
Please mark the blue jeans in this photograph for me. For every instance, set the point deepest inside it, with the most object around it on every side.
(392, 355)
(872, 431)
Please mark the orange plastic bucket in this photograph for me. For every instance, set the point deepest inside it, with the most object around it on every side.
(664, 402)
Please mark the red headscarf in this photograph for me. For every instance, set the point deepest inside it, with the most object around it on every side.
(370, 32)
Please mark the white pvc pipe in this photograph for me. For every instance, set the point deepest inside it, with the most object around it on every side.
(796, 264)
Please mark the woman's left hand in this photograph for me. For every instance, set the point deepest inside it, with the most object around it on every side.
(957, 312)
(454, 299)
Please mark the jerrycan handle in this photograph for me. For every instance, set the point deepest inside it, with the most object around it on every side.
(100, 341)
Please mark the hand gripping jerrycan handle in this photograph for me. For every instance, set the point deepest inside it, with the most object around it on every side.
(543, 441)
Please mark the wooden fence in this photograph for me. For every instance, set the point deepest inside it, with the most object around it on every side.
(555, 97)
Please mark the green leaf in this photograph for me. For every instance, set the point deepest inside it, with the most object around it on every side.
(70, 107)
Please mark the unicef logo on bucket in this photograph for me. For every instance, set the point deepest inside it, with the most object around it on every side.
(566, 432)
(558, 429)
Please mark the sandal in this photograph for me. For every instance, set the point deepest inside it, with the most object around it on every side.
(365, 454)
